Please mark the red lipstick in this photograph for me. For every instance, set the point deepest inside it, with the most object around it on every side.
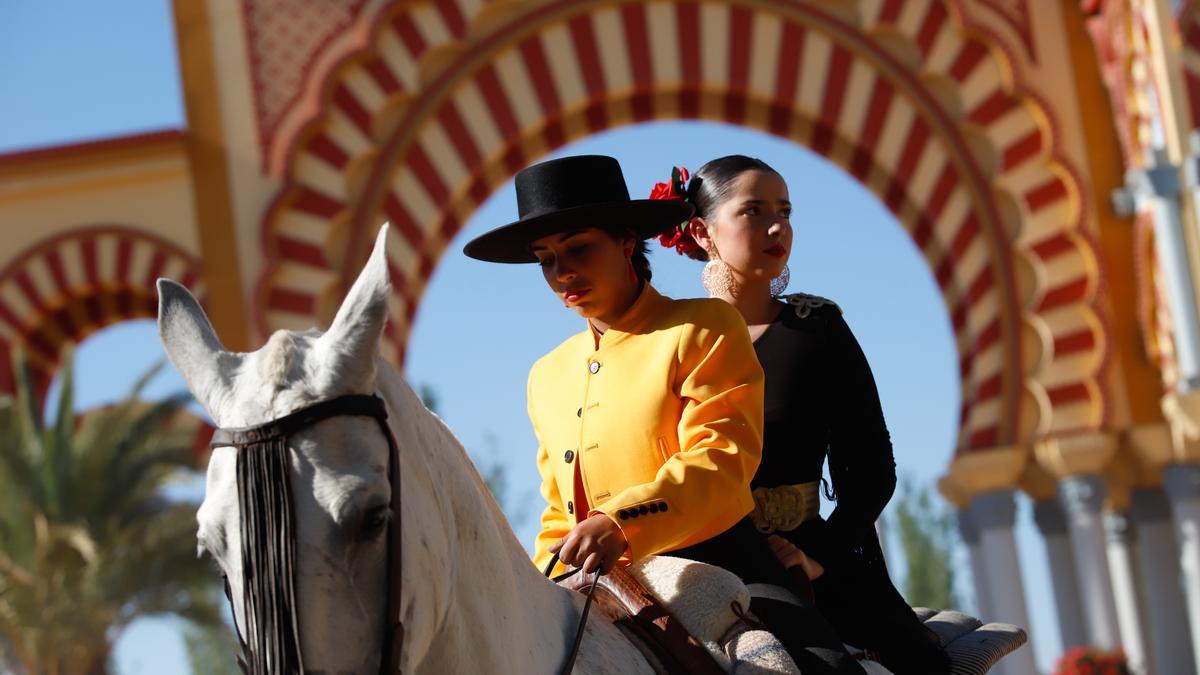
(573, 296)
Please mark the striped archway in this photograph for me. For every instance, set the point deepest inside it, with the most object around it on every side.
(451, 97)
(69, 286)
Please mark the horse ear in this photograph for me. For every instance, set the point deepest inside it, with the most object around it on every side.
(352, 341)
(192, 345)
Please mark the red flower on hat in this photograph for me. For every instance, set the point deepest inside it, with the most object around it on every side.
(678, 238)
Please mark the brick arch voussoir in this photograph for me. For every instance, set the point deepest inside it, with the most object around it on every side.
(63, 289)
(318, 230)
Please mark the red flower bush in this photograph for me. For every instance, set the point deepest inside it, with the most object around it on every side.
(1091, 661)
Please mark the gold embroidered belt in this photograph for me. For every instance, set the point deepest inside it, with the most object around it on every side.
(783, 508)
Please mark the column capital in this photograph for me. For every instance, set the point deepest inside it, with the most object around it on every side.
(976, 472)
(1161, 179)
(995, 509)
(1118, 528)
(967, 529)
(1151, 445)
(1182, 410)
(1082, 495)
(1182, 481)
(1050, 517)
(953, 492)
(1081, 453)
(1148, 505)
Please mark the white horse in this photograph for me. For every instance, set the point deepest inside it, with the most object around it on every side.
(470, 600)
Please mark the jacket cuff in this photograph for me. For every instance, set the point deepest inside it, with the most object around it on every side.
(632, 520)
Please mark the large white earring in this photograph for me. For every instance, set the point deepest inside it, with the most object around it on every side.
(717, 277)
(780, 283)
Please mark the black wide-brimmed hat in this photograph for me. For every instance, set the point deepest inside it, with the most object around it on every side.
(572, 193)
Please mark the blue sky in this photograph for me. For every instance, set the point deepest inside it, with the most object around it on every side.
(109, 71)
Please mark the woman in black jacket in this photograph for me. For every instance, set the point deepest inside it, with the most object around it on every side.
(821, 404)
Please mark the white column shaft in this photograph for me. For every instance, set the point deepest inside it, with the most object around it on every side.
(993, 515)
(1126, 594)
(1182, 483)
(1083, 497)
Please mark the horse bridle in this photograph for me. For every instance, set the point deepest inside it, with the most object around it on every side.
(270, 438)
(268, 443)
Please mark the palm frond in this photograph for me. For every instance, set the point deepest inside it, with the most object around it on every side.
(135, 392)
(20, 454)
(27, 404)
(89, 541)
(59, 440)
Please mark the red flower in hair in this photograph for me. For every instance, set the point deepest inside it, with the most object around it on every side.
(678, 238)
(675, 189)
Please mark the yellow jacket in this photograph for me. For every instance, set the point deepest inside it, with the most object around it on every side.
(665, 420)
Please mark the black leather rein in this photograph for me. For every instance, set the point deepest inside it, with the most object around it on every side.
(569, 664)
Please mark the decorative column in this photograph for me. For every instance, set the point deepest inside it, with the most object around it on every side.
(1158, 188)
(1083, 499)
(1170, 645)
(1120, 537)
(1183, 488)
(993, 514)
(970, 536)
(1052, 523)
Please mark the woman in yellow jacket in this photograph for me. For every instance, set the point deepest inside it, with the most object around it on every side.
(649, 422)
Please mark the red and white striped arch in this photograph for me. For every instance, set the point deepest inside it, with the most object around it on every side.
(71, 285)
(452, 97)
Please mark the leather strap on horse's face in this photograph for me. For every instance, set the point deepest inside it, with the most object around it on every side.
(352, 405)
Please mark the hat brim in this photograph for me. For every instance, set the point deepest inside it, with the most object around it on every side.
(510, 243)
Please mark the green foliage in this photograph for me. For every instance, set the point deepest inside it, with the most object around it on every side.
(88, 542)
(211, 649)
(491, 469)
(927, 536)
(429, 397)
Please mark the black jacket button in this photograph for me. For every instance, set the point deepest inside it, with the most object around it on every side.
(654, 507)
(623, 514)
(662, 506)
(568, 456)
(571, 508)
(579, 413)
(643, 509)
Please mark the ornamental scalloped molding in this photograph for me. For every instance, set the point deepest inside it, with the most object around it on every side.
(1087, 241)
(437, 61)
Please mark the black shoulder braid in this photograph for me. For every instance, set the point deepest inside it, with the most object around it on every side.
(805, 303)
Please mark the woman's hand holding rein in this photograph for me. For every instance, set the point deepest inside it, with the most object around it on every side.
(594, 543)
(791, 556)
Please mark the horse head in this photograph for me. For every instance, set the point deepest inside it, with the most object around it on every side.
(336, 470)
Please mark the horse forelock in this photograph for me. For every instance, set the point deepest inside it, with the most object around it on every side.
(281, 361)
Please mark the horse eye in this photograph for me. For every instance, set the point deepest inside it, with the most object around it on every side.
(375, 521)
